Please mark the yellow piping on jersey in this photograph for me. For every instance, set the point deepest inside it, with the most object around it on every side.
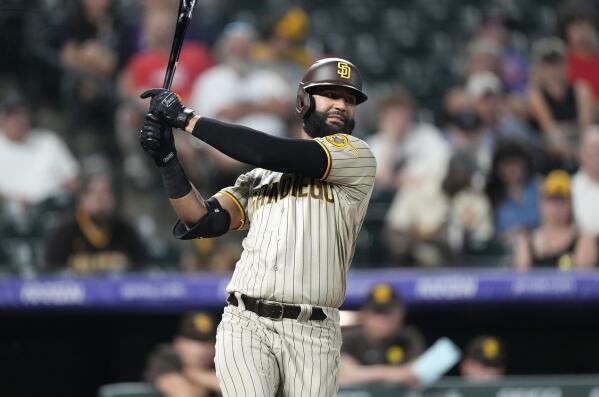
(238, 204)
(326, 173)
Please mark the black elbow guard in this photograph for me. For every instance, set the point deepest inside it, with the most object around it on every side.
(215, 223)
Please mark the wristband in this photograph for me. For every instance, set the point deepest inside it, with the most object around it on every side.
(184, 117)
(174, 180)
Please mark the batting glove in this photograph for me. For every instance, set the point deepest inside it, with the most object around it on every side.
(167, 106)
(157, 141)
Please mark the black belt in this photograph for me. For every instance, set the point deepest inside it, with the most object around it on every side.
(274, 310)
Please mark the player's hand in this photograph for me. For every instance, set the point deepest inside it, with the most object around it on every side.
(401, 374)
(157, 141)
(167, 106)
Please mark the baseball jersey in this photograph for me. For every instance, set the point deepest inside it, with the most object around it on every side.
(302, 231)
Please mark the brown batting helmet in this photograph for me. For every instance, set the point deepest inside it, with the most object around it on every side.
(328, 72)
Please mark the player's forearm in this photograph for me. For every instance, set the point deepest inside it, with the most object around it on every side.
(189, 208)
(259, 149)
(175, 385)
(204, 378)
(360, 375)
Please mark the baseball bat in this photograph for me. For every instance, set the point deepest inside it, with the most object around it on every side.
(183, 19)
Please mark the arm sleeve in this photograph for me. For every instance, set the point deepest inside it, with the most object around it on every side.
(350, 163)
(298, 156)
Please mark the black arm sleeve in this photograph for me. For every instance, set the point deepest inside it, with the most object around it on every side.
(300, 156)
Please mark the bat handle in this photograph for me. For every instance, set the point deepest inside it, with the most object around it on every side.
(168, 77)
(153, 117)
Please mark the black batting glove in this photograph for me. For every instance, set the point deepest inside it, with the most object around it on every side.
(157, 141)
(167, 106)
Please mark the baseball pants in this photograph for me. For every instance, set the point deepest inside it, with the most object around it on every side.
(257, 356)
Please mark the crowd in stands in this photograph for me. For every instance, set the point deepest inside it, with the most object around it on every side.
(503, 171)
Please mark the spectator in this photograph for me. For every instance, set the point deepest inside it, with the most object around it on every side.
(95, 239)
(557, 242)
(465, 134)
(414, 228)
(499, 120)
(498, 26)
(239, 90)
(381, 348)
(436, 229)
(409, 154)
(585, 184)
(483, 56)
(484, 360)
(412, 160)
(455, 100)
(576, 24)
(185, 367)
(37, 163)
(513, 191)
(560, 109)
(211, 255)
(93, 47)
(469, 221)
(94, 38)
(284, 49)
(146, 69)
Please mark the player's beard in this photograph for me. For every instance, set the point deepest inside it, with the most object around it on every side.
(316, 125)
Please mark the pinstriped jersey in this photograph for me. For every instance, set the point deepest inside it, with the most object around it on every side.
(302, 231)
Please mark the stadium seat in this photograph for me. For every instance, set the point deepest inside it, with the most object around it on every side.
(131, 389)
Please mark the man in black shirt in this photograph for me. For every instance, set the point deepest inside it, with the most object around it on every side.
(381, 348)
(484, 360)
(186, 366)
(95, 239)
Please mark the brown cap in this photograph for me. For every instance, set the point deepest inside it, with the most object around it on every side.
(198, 326)
(382, 298)
(488, 350)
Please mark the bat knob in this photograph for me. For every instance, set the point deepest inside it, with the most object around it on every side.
(187, 8)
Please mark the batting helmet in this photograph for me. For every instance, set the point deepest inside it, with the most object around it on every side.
(335, 72)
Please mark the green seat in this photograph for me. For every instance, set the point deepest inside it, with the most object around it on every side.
(131, 389)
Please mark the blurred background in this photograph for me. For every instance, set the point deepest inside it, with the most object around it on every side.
(482, 226)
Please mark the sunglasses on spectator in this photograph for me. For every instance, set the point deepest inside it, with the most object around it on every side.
(557, 197)
(552, 58)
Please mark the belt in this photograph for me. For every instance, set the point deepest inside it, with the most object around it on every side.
(274, 310)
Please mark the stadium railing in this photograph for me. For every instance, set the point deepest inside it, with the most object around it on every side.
(512, 386)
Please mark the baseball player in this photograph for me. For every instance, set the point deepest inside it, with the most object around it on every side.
(304, 205)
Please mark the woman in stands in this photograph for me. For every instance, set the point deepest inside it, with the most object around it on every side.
(559, 109)
(556, 243)
(513, 189)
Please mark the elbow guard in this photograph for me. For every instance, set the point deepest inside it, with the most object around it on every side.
(215, 223)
